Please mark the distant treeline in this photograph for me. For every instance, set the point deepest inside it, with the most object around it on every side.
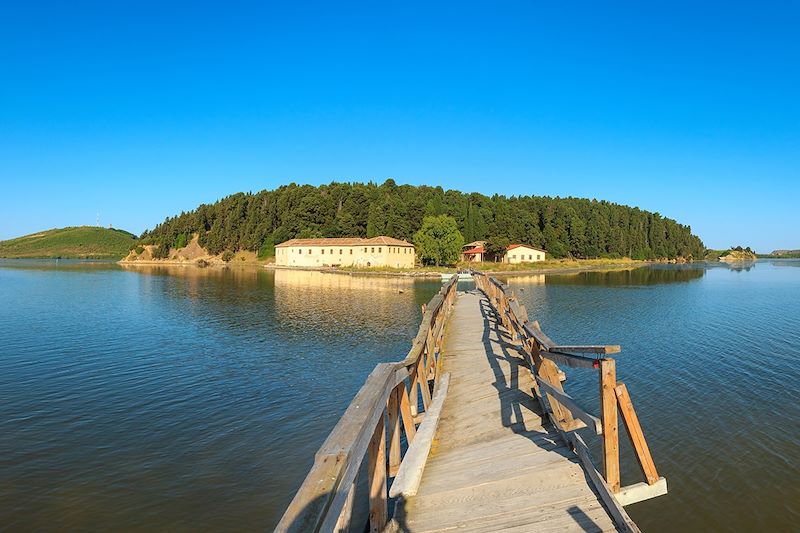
(563, 226)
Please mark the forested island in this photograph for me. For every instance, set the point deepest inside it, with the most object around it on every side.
(565, 227)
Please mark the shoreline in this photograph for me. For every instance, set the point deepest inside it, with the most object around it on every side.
(422, 274)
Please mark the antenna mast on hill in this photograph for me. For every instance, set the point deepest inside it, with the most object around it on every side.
(98, 219)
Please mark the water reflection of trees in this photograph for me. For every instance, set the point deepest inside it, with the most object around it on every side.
(63, 265)
(637, 276)
(291, 303)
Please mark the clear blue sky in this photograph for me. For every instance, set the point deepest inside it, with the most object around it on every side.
(140, 110)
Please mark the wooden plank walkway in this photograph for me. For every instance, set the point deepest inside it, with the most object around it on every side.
(495, 464)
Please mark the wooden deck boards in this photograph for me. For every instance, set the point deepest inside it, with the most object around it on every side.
(494, 465)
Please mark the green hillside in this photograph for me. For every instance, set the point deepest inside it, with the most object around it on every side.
(84, 242)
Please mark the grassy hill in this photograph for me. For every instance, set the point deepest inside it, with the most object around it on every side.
(84, 242)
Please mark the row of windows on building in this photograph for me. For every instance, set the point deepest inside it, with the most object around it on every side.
(522, 257)
(372, 250)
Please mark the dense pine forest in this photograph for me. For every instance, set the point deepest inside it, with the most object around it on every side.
(563, 226)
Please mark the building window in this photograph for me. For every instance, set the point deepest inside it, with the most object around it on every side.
(351, 251)
(300, 251)
(309, 251)
(340, 251)
(379, 249)
(332, 251)
(373, 250)
(530, 258)
(323, 251)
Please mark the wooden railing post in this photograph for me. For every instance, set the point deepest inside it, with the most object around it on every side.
(406, 415)
(413, 397)
(608, 408)
(430, 352)
(422, 380)
(393, 421)
(378, 508)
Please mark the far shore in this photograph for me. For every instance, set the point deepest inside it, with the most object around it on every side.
(566, 266)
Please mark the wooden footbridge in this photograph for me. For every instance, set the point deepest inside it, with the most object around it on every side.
(473, 431)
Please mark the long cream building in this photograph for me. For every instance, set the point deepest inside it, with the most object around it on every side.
(349, 251)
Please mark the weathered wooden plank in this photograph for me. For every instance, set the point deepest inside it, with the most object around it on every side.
(393, 425)
(608, 405)
(533, 330)
(343, 523)
(567, 401)
(378, 505)
(405, 414)
(603, 349)
(343, 437)
(422, 380)
(360, 442)
(635, 433)
(570, 360)
(308, 507)
(408, 477)
(549, 371)
(621, 518)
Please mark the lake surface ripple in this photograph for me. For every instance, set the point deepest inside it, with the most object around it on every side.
(182, 398)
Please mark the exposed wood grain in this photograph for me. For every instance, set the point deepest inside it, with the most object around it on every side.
(567, 401)
(422, 380)
(343, 523)
(378, 505)
(393, 425)
(635, 433)
(603, 349)
(608, 405)
(405, 414)
(410, 473)
(621, 518)
(307, 509)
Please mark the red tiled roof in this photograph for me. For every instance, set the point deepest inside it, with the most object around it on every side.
(343, 241)
(473, 251)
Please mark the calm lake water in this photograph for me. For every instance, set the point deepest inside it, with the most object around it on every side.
(182, 399)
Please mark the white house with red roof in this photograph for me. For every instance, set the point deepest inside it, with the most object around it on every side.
(516, 253)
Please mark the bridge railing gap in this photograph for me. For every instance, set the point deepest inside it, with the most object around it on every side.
(542, 355)
(386, 408)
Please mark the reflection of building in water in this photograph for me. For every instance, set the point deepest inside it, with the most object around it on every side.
(531, 279)
(377, 251)
(365, 303)
(314, 280)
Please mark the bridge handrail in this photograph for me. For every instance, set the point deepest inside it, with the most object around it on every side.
(542, 355)
(388, 401)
